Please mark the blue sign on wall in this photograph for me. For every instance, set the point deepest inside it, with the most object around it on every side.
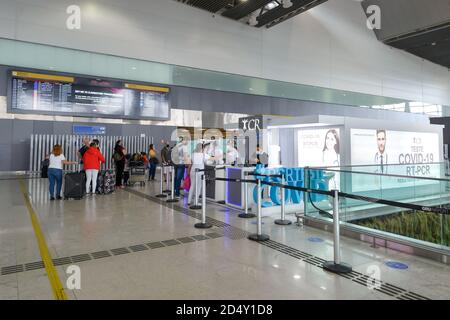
(89, 130)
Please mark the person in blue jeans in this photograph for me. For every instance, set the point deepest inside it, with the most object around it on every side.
(179, 176)
(179, 158)
(55, 171)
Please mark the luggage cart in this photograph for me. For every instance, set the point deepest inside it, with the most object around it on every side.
(138, 174)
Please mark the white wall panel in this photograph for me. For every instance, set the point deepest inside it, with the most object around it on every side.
(328, 46)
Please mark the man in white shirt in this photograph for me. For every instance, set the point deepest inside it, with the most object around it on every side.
(215, 154)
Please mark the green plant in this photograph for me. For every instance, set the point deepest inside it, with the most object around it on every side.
(414, 224)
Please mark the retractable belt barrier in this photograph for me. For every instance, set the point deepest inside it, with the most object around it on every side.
(212, 169)
(196, 205)
(336, 265)
(168, 173)
(363, 198)
(162, 193)
(264, 175)
(172, 193)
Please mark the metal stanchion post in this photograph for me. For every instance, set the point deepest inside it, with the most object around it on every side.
(161, 193)
(203, 224)
(259, 236)
(336, 266)
(283, 220)
(196, 206)
(246, 215)
(305, 194)
(172, 194)
(168, 172)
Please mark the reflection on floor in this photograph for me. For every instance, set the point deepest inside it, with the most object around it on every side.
(130, 245)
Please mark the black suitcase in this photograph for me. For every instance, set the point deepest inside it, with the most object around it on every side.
(106, 182)
(44, 168)
(74, 185)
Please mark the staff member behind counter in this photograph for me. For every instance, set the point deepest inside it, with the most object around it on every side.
(259, 156)
(214, 153)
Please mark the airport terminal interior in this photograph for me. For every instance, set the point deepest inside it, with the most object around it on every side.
(224, 150)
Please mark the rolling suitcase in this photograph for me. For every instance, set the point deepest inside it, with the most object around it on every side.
(44, 168)
(106, 182)
(74, 185)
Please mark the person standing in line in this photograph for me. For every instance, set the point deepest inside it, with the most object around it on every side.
(92, 160)
(119, 161)
(83, 149)
(55, 171)
(165, 158)
(198, 162)
(97, 143)
(179, 158)
(153, 160)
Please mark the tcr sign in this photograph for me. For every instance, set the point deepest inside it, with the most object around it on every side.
(251, 123)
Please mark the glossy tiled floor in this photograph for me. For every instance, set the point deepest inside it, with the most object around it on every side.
(219, 267)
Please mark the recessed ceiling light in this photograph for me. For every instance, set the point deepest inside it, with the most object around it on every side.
(271, 5)
(276, 266)
(297, 276)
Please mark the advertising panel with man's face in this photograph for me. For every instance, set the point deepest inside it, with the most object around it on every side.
(387, 152)
(381, 141)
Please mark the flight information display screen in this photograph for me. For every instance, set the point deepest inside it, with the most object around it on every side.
(79, 96)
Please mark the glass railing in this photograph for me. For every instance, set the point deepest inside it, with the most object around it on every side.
(425, 187)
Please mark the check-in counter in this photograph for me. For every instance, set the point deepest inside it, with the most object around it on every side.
(215, 190)
(234, 191)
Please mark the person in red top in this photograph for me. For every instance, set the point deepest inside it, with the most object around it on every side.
(92, 159)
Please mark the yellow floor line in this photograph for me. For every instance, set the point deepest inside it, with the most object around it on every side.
(55, 282)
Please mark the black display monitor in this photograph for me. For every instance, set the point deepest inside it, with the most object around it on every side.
(81, 96)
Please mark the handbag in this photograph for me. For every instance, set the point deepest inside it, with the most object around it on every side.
(187, 183)
(154, 160)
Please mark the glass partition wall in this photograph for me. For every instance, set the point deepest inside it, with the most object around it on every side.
(430, 188)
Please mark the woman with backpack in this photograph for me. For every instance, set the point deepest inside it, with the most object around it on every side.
(92, 159)
(153, 159)
(119, 161)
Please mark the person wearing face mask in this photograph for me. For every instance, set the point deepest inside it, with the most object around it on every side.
(214, 153)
